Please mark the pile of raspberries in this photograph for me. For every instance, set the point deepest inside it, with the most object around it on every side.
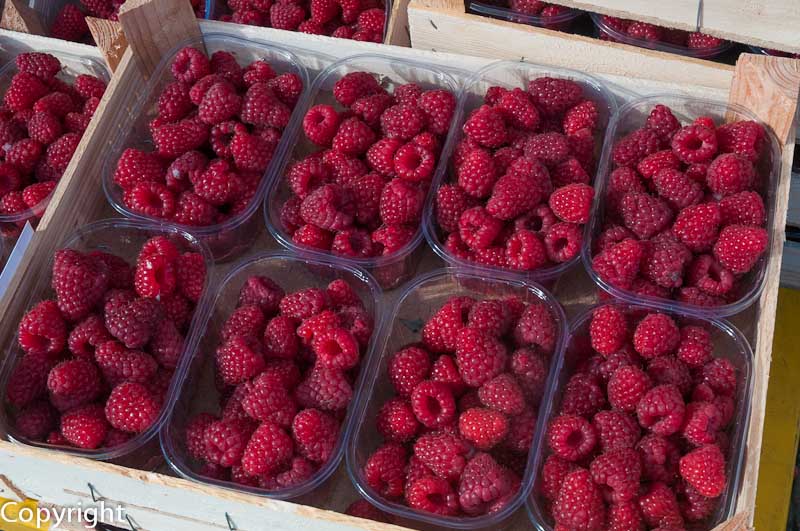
(644, 31)
(42, 119)
(458, 432)
(360, 20)
(640, 440)
(684, 216)
(217, 129)
(99, 357)
(70, 22)
(285, 368)
(520, 190)
(361, 194)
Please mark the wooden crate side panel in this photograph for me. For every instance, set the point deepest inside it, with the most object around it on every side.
(767, 23)
(397, 33)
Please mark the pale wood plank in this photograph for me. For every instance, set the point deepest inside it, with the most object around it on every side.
(17, 16)
(110, 39)
(398, 33)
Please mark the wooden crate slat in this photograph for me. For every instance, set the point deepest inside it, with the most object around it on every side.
(17, 16)
(110, 39)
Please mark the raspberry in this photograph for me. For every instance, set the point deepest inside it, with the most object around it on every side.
(353, 137)
(582, 396)
(269, 401)
(665, 260)
(696, 226)
(383, 470)
(320, 124)
(627, 387)
(656, 335)
(670, 370)
(704, 470)
(579, 504)
(530, 369)
(185, 170)
(652, 164)
(644, 214)
(451, 202)
(483, 427)
(525, 251)
(304, 303)
(739, 247)
(244, 321)
(136, 166)
(553, 473)
(131, 408)
(677, 188)
(646, 32)
(175, 139)
(121, 365)
(744, 138)
(239, 359)
(263, 292)
(268, 449)
(572, 202)
(220, 103)
(336, 348)
(311, 236)
(190, 65)
(433, 404)
(518, 109)
(438, 107)
(324, 388)
(563, 242)
(526, 7)
(287, 87)
(661, 410)
(619, 471)
(328, 207)
(36, 420)
(23, 91)
(174, 102)
(89, 86)
(85, 427)
(619, 264)
(694, 143)
(44, 127)
(262, 108)
(730, 174)
(584, 115)
(73, 383)
(624, 516)
(634, 147)
(24, 155)
(42, 65)
(355, 85)
(615, 430)
(484, 483)
(507, 200)
(553, 96)
(363, 509)
(486, 126)
(695, 348)
(720, 375)
(660, 508)
(151, 199)
(42, 331)
(697, 40)
(396, 421)
(441, 331)
(621, 182)
(79, 282)
(414, 163)
(258, 72)
(433, 495)
(571, 437)
(444, 453)
(549, 148)
(608, 329)
(702, 421)
(744, 208)
(479, 356)
(536, 327)
(696, 507)
(659, 458)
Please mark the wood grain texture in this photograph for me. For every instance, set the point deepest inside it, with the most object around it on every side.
(767, 23)
(17, 16)
(110, 39)
(154, 27)
(443, 26)
(397, 33)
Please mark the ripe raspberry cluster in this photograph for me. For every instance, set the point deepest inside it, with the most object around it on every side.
(285, 370)
(42, 119)
(458, 432)
(70, 22)
(360, 20)
(684, 214)
(640, 440)
(651, 33)
(217, 129)
(361, 194)
(520, 190)
(99, 357)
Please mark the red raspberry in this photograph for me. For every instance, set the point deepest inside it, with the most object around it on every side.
(479, 356)
(664, 261)
(36, 420)
(119, 364)
(572, 203)
(696, 507)
(402, 122)
(627, 387)
(571, 437)
(451, 202)
(220, 103)
(23, 91)
(87, 336)
(380, 155)
(483, 427)
(525, 251)
(190, 65)
(618, 265)
(175, 139)
(744, 138)
(269, 401)
(584, 115)
(433, 404)
(553, 96)
(24, 155)
(433, 495)
(697, 40)
(695, 348)
(268, 449)
(304, 303)
(507, 200)
(286, 16)
(190, 269)
(42, 331)
(336, 348)
(567, 172)
(483, 484)
(262, 108)
(563, 242)
(549, 148)
(660, 507)
(661, 410)
(744, 208)
(677, 188)
(491, 316)
(444, 370)
(300, 472)
(363, 509)
(244, 321)
(85, 427)
(620, 183)
(44, 127)
(280, 340)
(649, 166)
(615, 430)
(530, 368)
(444, 453)
(720, 375)
(401, 202)
(342, 294)
(696, 226)
(520, 433)
(730, 174)
(438, 106)
(328, 207)
(624, 516)
(644, 214)
(536, 327)
(441, 331)
(582, 396)
(320, 124)
(670, 370)
(702, 422)
(694, 143)
(263, 292)
(619, 471)
(353, 137)
(136, 166)
(131, 408)
(740, 247)
(151, 199)
(634, 147)
(223, 441)
(656, 335)
(396, 421)
(646, 32)
(174, 102)
(659, 458)
(704, 470)
(608, 329)
(518, 109)
(42, 65)
(414, 163)
(239, 359)
(486, 126)
(579, 504)
(526, 7)
(287, 87)
(79, 282)
(258, 72)
(324, 388)
(315, 326)
(193, 210)
(89, 86)
(553, 473)
(355, 85)
(383, 470)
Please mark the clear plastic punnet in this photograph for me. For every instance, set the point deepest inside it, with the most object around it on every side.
(197, 392)
(632, 116)
(416, 302)
(561, 21)
(123, 238)
(393, 269)
(728, 343)
(607, 32)
(238, 232)
(509, 75)
(72, 67)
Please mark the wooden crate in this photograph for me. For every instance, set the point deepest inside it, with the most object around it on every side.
(156, 501)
